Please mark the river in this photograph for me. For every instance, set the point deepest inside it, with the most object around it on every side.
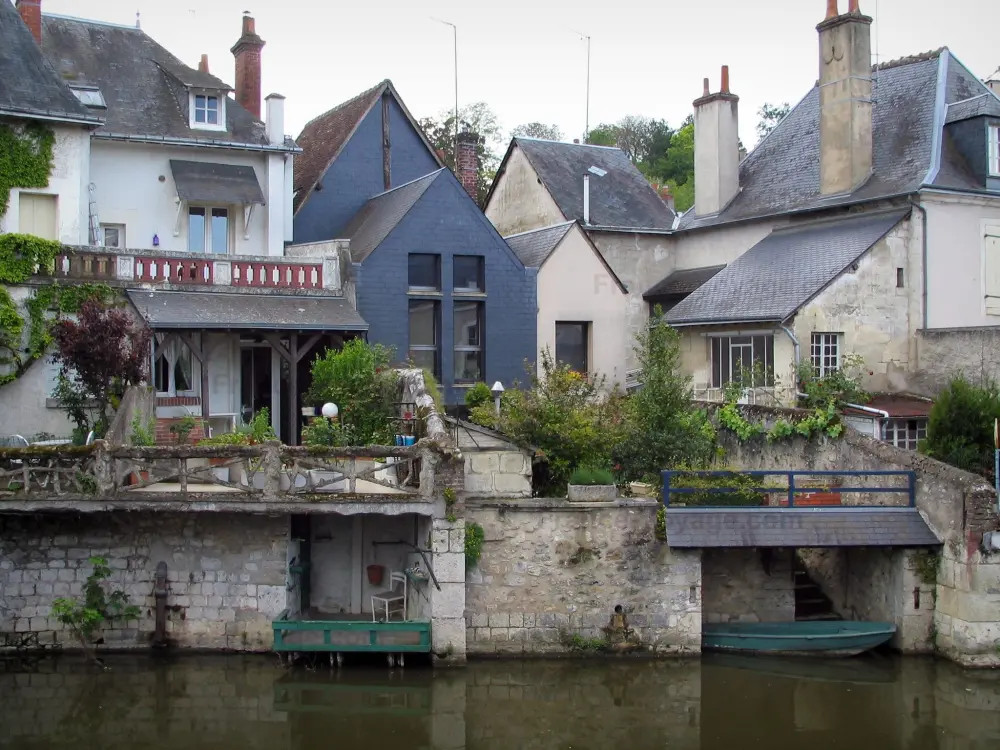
(227, 702)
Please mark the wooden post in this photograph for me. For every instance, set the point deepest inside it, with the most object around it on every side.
(293, 389)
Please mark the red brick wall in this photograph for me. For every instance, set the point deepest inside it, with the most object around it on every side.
(467, 166)
(165, 437)
(31, 14)
(248, 70)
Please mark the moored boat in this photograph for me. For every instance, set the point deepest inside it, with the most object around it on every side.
(812, 638)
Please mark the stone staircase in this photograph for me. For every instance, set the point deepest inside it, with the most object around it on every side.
(810, 601)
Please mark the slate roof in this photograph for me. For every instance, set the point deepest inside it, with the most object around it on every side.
(784, 271)
(205, 182)
(797, 527)
(984, 105)
(380, 215)
(232, 311)
(28, 84)
(682, 282)
(620, 199)
(145, 87)
(781, 174)
(533, 248)
(324, 137)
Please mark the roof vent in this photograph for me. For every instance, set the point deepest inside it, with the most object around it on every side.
(598, 171)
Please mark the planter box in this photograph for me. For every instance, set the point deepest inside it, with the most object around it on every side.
(591, 493)
(640, 489)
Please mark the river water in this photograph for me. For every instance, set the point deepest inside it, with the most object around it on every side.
(247, 702)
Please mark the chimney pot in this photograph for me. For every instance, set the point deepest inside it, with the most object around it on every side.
(725, 79)
(249, 25)
(248, 69)
(203, 65)
(576, 141)
(705, 91)
(853, 6)
(832, 11)
(31, 13)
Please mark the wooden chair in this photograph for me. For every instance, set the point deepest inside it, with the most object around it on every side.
(393, 599)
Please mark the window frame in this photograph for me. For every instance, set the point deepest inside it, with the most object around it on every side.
(819, 344)
(220, 109)
(436, 347)
(419, 289)
(766, 340)
(587, 326)
(207, 239)
(480, 274)
(173, 351)
(993, 139)
(121, 235)
(897, 431)
(464, 349)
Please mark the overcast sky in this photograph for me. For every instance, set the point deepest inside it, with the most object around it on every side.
(526, 58)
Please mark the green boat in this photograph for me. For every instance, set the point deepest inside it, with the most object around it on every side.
(812, 638)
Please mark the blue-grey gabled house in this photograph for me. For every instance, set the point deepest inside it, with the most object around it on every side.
(433, 278)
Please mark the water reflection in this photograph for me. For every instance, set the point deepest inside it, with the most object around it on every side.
(716, 704)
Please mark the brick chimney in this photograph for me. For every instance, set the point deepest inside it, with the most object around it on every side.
(845, 97)
(467, 162)
(247, 54)
(716, 148)
(666, 195)
(31, 14)
(203, 64)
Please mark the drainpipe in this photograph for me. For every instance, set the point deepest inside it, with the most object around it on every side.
(795, 343)
(923, 258)
(586, 200)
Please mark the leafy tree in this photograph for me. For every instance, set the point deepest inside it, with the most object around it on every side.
(602, 135)
(769, 116)
(960, 428)
(100, 354)
(842, 386)
(538, 130)
(477, 118)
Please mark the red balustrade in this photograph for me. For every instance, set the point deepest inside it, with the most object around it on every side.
(277, 275)
(175, 270)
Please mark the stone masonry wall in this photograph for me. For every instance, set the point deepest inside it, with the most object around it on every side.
(744, 585)
(226, 574)
(551, 569)
(492, 473)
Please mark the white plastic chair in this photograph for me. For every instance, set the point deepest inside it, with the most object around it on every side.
(392, 600)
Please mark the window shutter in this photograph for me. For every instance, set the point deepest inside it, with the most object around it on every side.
(991, 270)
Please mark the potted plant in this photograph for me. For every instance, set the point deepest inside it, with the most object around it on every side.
(323, 432)
(218, 463)
(589, 485)
(142, 435)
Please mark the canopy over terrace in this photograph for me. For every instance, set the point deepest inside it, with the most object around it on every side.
(250, 350)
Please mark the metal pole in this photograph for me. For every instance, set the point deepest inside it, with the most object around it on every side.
(454, 30)
(586, 119)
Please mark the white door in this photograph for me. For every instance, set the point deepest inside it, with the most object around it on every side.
(37, 215)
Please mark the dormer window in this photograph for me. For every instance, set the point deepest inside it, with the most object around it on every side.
(208, 111)
(994, 137)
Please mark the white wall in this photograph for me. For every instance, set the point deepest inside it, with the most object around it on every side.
(519, 202)
(955, 227)
(130, 192)
(68, 181)
(574, 286)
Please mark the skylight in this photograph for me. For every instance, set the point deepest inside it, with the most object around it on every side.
(598, 171)
(89, 96)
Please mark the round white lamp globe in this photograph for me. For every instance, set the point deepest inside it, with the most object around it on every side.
(330, 411)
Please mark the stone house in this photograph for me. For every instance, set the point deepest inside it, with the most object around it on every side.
(866, 222)
(431, 276)
(178, 194)
(581, 302)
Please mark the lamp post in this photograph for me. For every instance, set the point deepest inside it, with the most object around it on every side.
(330, 411)
(497, 391)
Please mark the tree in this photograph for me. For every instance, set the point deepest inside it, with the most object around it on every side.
(960, 428)
(537, 130)
(770, 115)
(602, 135)
(100, 355)
(477, 118)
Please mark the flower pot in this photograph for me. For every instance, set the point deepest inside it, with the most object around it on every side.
(140, 476)
(591, 493)
(375, 574)
(817, 499)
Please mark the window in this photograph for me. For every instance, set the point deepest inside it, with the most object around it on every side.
(208, 230)
(906, 433)
(424, 337)
(173, 370)
(572, 345)
(425, 272)
(825, 353)
(113, 235)
(994, 134)
(206, 109)
(899, 278)
(468, 322)
(734, 357)
(468, 271)
(37, 215)
(991, 269)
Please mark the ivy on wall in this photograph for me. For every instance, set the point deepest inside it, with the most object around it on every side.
(25, 158)
(22, 256)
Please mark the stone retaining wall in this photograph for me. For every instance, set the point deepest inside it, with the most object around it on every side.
(550, 571)
(748, 585)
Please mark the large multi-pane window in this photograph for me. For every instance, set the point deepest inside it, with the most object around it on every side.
(425, 350)
(424, 272)
(573, 345)
(208, 230)
(468, 274)
(906, 433)
(173, 370)
(994, 133)
(824, 352)
(745, 359)
(468, 324)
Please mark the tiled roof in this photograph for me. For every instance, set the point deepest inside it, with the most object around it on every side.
(145, 86)
(797, 527)
(534, 247)
(28, 84)
(621, 198)
(381, 214)
(682, 282)
(983, 105)
(897, 405)
(783, 271)
(781, 174)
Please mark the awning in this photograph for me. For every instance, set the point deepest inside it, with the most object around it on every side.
(245, 312)
(204, 182)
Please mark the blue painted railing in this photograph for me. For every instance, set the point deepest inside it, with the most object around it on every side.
(791, 490)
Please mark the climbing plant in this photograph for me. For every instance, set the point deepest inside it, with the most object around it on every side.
(25, 158)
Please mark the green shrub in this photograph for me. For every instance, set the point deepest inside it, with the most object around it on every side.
(143, 434)
(960, 428)
(227, 438)
(478, 395)
(738, 489)
(323, 432)
(474, 538)
(590, 476)
(842, 386)
(358, 379)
